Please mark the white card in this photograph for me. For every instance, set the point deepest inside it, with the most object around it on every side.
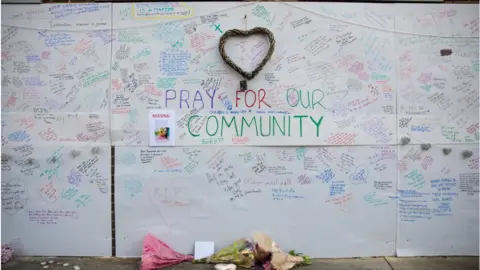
(204, 249)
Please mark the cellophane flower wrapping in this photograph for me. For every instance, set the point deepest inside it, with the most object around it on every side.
(156, 254)
(280, 259)
(239, 253)
(7, 253)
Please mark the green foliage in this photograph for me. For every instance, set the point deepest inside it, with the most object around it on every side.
(202, 260)
(306, 259)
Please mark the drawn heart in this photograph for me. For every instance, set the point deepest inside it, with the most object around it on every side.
(246, 33)
(447, 151)
(168, 206)
(360, 175)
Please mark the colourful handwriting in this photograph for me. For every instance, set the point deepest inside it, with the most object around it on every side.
(360, 175)
(280, 194)
(304, 179)
(133, 187)
(19, 136)
(49, 192)
(174, 63)
(370, 198)
(275, 126)
(217, 28)
(83, 200)
(69, 193)
(416, 179)
(74, 178)
(185, 97)
(48, 135)
(337, 188)
(341, 200)
(50, 172)
(155, 11)
(294, 98)
(64, 10)
(250, 102)
(326, 176)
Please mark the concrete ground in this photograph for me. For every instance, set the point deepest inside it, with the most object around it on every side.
(378, 263)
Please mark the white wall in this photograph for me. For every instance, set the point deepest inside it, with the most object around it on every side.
(331, 178)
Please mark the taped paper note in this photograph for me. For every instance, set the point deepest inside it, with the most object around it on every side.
(162, 128)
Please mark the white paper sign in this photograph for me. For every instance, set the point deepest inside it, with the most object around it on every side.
(204, 249)
(162, 128)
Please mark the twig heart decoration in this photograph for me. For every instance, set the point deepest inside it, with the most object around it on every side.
(246, 33)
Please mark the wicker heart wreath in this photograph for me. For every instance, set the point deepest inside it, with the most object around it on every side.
(246, 33)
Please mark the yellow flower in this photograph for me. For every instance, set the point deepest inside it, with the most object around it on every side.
(162, 132)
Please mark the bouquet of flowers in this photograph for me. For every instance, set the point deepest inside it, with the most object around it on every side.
(156, 254)
(239, 253)
(260, 252)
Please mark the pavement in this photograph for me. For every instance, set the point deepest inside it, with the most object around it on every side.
(375, 263)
